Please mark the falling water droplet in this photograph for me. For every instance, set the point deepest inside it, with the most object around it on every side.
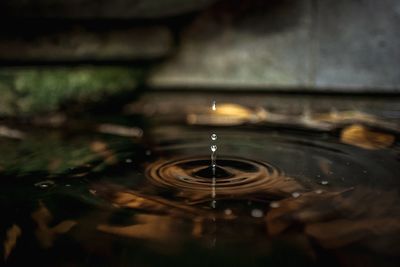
(324, 182)
(296, 194)
(214, 105)
(213, 137)
(213, 148)
(274, 205)
(256, 213)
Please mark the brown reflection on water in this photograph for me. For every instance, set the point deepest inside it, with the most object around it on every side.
(125, 198)
(339, 219)
(333, 219)
(12, 235)
(148, 226)
(360, 136)
(226, 114)
(44, 232)
(191, 180)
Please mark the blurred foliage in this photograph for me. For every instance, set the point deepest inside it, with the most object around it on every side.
(26, 91)
(62, 153)
(44, 155)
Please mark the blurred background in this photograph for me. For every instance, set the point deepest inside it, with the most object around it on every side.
(112, 153)
(56, 52)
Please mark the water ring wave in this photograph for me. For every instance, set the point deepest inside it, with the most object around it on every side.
(234, 175)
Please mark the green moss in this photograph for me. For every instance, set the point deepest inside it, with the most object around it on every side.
(27, 91)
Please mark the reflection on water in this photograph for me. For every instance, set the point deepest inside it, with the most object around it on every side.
(117, 195)
(361, 136)
(193, 178)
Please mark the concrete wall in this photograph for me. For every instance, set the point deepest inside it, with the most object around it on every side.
(295, 45)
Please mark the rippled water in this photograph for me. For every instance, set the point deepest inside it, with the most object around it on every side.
(285, 196)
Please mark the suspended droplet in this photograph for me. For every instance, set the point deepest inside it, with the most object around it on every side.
(128, 160)
(256, 213)
(274, 205)
(296, 194)
(228, 212)
(214, 105)
(324, 182)
(319, 191)
(213, 148)
(213, 137)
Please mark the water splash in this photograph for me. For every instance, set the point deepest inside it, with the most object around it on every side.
(214, 156)
(234, 176)
(213, 162)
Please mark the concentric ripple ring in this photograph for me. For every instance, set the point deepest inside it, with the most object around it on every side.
(234, 175)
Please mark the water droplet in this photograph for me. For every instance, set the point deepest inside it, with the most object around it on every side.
(45, 184)
(213, 137)
(319, 191)
(324, 182)
(148, 152)
(256, 213)
(296, 194)
(274, 205)
(228, 212)
(68, 185)
(213, 148)
(214, 105)
(213, 204)
(128, 160)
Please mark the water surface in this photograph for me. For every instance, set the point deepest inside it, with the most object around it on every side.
(135, 191)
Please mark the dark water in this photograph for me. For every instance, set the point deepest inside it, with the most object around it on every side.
(285, 196)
